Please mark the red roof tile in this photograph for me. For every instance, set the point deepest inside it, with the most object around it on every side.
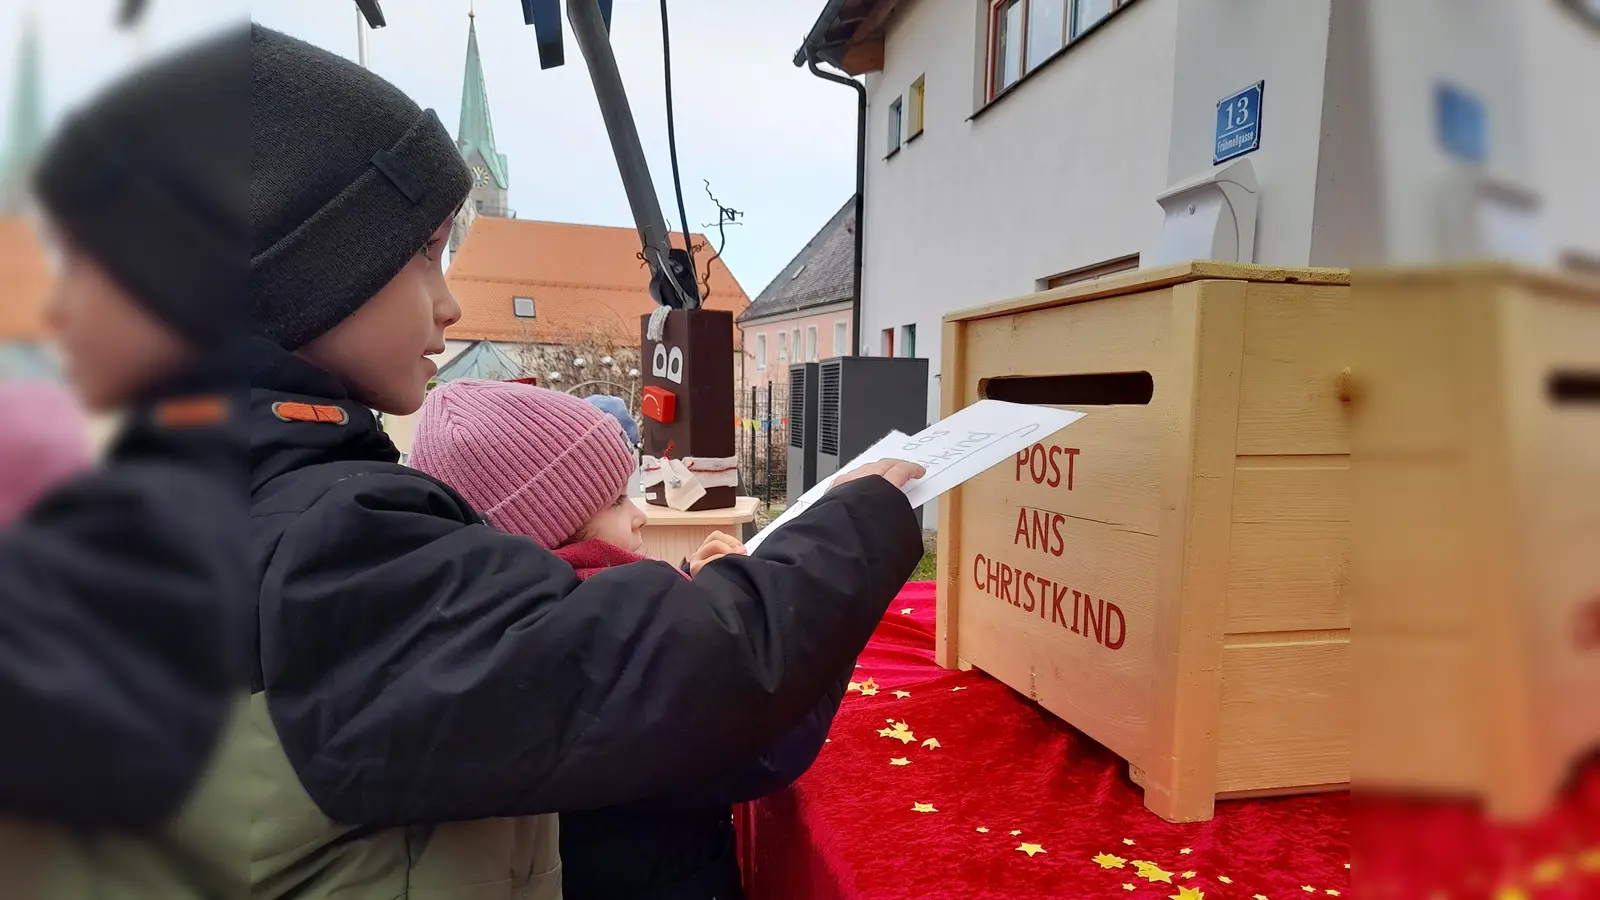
(587, 282)
(25, 281)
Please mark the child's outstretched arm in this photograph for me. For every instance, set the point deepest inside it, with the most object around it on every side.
(420, 667)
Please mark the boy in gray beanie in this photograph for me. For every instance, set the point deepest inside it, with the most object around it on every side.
(427, 687)
(123, 588)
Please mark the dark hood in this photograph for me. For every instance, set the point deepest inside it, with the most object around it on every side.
(278, 446)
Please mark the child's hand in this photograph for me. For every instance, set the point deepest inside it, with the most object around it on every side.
(716, 547)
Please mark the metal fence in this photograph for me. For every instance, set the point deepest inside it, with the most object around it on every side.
(762, 415)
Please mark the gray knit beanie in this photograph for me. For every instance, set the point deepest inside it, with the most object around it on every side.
(148, 179)
(348, 179)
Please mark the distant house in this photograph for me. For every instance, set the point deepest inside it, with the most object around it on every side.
(804, 314)
(539, 297)
(25, 281)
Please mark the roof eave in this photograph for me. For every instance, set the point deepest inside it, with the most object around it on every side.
(848, 35)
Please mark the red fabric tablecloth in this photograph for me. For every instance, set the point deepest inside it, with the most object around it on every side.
(1005, 775)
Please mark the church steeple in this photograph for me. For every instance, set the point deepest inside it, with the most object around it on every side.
(491, 173)
(25, 126)
(476, 133)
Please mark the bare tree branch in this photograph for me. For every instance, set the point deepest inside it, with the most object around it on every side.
(726, 216)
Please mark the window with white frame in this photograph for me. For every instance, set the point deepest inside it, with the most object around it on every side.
(522, 307)
(1025, 33)
(896, 110)
(794, 341)
(811, 343)
(783, 346)
(841, 338)
(761, 351)
(908, 340)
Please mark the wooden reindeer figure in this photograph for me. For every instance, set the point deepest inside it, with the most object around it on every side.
(687, 404)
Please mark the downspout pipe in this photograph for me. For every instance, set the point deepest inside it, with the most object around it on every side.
(861, 177)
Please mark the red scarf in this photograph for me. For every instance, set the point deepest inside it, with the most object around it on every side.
(588, 558)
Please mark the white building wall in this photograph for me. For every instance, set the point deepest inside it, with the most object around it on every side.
(1562, 58)
(1222, 47)
(1061, 174)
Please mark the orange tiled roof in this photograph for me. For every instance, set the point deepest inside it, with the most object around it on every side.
(25, 280)
(587, 281)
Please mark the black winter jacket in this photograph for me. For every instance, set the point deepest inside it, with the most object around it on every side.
(122, 601)
(421, 666)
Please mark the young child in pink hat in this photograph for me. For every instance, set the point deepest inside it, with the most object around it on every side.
(555, 468)
(542, 464)
(44, 440)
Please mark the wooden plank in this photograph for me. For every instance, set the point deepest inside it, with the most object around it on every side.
(1296, 348)
(1030, 631)
(1197, 486)
(947, 625)
(1418, 728)
(1287, 576)
(1285, 716)
(1143, 280)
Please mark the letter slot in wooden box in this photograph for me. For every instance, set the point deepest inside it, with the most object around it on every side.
(1476, 516)
(1166, 574)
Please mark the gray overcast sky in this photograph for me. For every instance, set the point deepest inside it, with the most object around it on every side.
(775, 142)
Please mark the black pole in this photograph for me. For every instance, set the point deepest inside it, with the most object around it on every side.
(769, 445)
(756, 413)
(861, 178)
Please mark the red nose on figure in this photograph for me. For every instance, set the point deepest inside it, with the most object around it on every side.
(659, 404)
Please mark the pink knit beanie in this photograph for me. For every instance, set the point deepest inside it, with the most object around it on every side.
(44, 440)
(534, 461)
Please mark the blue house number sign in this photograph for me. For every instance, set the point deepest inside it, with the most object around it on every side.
(1238, 124)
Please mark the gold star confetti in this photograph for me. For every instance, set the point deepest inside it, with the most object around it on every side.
(1110, 861)
(1127, 887)
(931, 744)
(1549, 871)
(1511, 892)
(1017, 832)
(957, 688)
(982, 830)
(907, 611)
(1128, 841)
(1331, 892)
(869, 692)
(1225, 879)
(1308, 888)
(1347, 865)
(900, 761)
(827, 740)
(1187, 893)
(1152, 873)
(1185, 851)
(899, 731)
(1259, 897)
(923, 807)
(1030, 849)
(1189, 874)
(902, 694)
(853, 686)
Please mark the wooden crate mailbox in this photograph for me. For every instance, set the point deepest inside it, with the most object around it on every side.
(1476, 505)
(1166, 574)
